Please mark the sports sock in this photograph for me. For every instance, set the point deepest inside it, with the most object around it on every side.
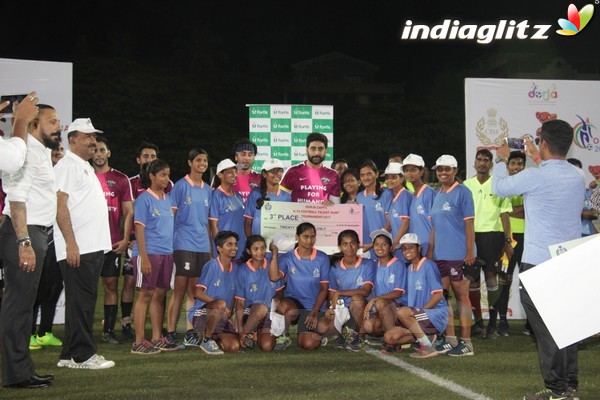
(424, 341)
(452, 340)
(126, 309)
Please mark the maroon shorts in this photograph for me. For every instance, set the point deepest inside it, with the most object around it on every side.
(424, 322)
(161, 275)
(264, 326)
(200, 321)
(452, 269)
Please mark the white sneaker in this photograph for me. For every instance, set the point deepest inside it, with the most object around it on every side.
(94, 362)
(65, 363)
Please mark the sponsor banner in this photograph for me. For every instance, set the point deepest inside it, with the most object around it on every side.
(283, 218)
(280, 130)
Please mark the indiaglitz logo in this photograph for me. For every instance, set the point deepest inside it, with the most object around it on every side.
(583, 137)
(577, 20)
(542, 94)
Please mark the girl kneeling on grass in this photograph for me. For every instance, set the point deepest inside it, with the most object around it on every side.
(152, 257)
(306, 272)
(351, 280)
(214, 298)
(390, 285)
(254, 292)
(426, 313)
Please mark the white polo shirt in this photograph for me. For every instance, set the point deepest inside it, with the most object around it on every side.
(33, 185)
(86, 204)
(12, 154)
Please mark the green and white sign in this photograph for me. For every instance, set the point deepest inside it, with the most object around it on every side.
(280, 131)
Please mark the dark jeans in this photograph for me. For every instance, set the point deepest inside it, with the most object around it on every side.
(81, 292)
(50, 287)
(559, 367)
(17, 304)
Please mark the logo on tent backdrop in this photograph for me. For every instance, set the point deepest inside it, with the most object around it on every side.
(577, 20)
(583, 136)
(492, 130)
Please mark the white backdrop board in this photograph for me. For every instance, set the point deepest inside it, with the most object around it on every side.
(53, 82)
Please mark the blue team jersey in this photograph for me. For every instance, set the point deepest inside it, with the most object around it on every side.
(422, 282)
(398, 211)
(448, 215)
(420, 215)
(156, 215)
(228, 211)
(218, 282)
(350, 278)
(374, 211)
(191, 220)
(253, 285)
(303, 276)
(390, 277)
(254, 213)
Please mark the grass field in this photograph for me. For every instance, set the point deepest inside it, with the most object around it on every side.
(504, 368)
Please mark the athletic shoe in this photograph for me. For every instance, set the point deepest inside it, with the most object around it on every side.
(424, 352)
(163, 344)
(33, 343)
(441, 346)
(574, 393)
(94, 362)
(247, 341)
(503, 328)
(48, 340)
(356, 345)
(324, 341)
(109, 338)
(375, 340)
(211, 347)
(127, 333)
(144, 348)
(340, 342)
(65, 363)
(461, 350)
(477, 328)
(527, 331)
(490, 333)
(283, 342)
(172, 338)
(390, 349)
(191, 339)
(548, 394)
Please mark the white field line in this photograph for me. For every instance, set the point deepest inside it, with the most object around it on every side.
(424, 374)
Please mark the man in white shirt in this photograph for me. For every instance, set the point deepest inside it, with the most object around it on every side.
(81, 238)
(30, 211)
(13, 150)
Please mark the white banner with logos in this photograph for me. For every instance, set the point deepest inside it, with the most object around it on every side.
(499, 108)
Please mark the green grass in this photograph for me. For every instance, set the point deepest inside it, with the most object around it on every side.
(504, 368)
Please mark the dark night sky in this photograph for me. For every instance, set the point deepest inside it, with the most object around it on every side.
(257, 42)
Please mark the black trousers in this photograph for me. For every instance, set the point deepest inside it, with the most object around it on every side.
(49, 290)
(20, 292)
(559, 367)
(81, 292)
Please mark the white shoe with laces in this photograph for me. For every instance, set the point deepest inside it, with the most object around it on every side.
(94, 362)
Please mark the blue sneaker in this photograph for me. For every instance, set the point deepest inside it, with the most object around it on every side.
(211, 347)
(191, 339)
(461, 350)
(441, 346)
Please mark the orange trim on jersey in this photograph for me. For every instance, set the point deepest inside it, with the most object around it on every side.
(249, 264)
(156, 196)
(312, 256)
(139, 223)
(396, 197)
(455, 184)
(392, 260)
(223, 190)
(222, 267)
(191, 182)
(343, 266)
(248, 216)
(420, 190)
(466, 218)
(239, 298)
(400, 290)
(412, 267)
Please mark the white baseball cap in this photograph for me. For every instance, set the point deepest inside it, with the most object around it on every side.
(225, 164)
(272, 163)
(393, 168)
(83, 125)
(409, 238)
(446, 161)
(414, 159)
(380, 232)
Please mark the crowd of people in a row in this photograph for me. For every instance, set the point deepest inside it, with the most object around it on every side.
(77, 217)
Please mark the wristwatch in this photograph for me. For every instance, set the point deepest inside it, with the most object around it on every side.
(24, 241)
(508, 240)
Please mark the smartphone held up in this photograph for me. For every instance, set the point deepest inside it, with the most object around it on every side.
(517, 143)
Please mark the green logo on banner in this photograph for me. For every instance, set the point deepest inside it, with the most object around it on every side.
(281, 125)
(301, 111)
(261, 138)
(323, 125)
(260, 111)
(281, 153)
(299, 139)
